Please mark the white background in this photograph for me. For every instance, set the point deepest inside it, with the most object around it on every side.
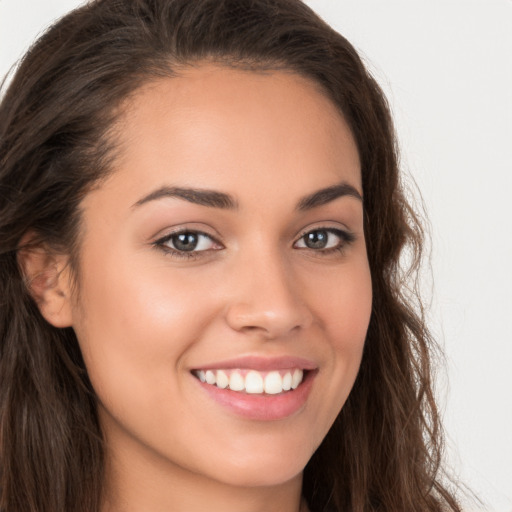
(446, 66)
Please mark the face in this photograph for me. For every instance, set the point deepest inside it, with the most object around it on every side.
(225, 292)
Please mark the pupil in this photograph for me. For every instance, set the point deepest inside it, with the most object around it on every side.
(316, 239)
(185, 241)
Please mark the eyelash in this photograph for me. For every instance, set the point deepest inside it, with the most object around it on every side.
(346, 238)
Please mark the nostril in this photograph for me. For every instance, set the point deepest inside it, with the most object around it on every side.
(269, 321)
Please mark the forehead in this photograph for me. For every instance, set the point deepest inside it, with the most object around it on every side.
(235, 130)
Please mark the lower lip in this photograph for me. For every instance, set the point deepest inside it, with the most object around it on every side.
(263, 407)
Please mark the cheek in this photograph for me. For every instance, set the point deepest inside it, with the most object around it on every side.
(134, 326)
(137, 333)
(346, 306)
(345, 311)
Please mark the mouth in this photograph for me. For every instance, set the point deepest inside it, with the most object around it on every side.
(259, 388)
(253, 382)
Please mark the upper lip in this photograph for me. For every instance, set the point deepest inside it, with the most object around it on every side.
(262, 364)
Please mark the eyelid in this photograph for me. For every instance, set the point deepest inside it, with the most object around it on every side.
(187, 228)
(324, 227)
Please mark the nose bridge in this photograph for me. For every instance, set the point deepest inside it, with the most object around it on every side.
(265, 296)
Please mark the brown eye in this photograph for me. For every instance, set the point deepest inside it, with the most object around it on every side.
(316, 239)
(187, 241)
(324, 239)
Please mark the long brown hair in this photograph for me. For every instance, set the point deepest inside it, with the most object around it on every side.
(384, 451)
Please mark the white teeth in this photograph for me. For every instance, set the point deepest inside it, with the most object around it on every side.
(210, 377)
(254, 382)
(273, 383)
(222, 379)
(297, 378)
(287, 381)
(236, 382)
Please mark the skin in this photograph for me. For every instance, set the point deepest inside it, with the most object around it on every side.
(145, 318)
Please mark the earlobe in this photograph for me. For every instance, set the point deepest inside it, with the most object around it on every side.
(47, 278)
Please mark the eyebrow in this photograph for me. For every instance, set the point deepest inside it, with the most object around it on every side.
(210, 198)
(326, 195)
(215, 199)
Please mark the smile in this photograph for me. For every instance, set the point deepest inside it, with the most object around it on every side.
(258, 388)
(252, 381)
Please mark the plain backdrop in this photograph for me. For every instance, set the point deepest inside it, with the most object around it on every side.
(446, 66)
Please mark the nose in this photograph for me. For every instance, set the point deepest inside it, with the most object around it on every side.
(267, 299)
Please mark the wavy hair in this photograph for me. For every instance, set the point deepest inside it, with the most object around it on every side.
(383, 452)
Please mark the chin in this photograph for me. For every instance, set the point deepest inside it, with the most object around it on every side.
(268, 476)
(263, 469)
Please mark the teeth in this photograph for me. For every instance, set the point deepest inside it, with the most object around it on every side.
(252, 381)
(297, 378)
(222, 380)
(273, 383)
(236, 382)
(287, 381)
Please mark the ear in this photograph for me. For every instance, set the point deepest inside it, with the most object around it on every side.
(48, 279)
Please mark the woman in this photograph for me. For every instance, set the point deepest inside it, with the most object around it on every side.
(201, 225)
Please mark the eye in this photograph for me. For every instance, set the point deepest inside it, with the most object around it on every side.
(324, 239)
(187, 242)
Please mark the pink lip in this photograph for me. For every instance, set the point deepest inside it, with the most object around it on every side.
(261, 364)
(262, 407)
